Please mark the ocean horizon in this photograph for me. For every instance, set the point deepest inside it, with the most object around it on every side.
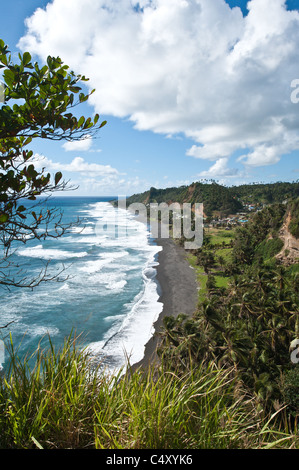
(107, 294)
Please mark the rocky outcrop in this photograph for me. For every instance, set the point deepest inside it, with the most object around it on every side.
(289, 254)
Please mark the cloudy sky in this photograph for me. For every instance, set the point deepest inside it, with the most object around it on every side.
(191, 89)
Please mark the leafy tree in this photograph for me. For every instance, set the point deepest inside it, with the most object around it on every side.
(206, 259)
(37, 103)
(294, 222)
(249, 327)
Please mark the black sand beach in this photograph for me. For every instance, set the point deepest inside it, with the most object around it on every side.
(179, 290)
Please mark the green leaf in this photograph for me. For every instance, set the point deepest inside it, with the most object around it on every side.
(29, 154)
(26, 58)
(27, 141)
(38, 445)
(4, 60)
(81, 121)
(31, 171)
(58, 177)
(3, 218)
(87, 123)
(75, 89)
(82, 97)
(9, 77)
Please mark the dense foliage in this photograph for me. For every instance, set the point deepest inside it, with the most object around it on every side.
(216, 366)
(249, 323)
(221, 199)
(253, 240)
(249, 326)
(213, 196)
(37, 103)
(266, 193)
(294, 223)
(66, 402)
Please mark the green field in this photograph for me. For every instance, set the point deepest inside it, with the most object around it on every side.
(219, 236)
(219, 244)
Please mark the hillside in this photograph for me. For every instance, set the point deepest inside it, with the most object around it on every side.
(215, 197)
(289, 253)
(268, 193)
(270, 234)
(248, 300)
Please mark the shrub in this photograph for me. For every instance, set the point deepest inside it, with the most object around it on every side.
(290, 389)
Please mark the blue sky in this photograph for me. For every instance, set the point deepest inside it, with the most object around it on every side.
(191, 89)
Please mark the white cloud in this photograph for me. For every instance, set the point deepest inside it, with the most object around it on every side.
(219, 169)
(77, 165)
(112, 185)
(196, 67)
(93, 178)
(81, 145)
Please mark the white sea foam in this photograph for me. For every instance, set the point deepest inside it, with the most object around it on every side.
(127, 339)
(109, 270)
(65, 287)
(90, 240)
(105, 258)
(111, 281)
(87, 230)
(37, 330)
(47, 253)
(117, 285)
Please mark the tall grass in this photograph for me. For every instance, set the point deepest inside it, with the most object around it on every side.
(65, 401)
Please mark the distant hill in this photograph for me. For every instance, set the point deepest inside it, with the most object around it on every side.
(215, 197)
(266, 193)
(270, 233)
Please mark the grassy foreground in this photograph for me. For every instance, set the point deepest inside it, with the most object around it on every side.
(66, 402)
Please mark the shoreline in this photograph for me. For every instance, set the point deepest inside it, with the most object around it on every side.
(179, 292)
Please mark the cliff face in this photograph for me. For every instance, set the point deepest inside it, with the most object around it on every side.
(289, 254)
(214, 197)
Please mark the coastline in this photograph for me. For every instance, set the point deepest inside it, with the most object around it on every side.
(179, 291)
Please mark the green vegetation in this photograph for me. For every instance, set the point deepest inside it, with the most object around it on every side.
(67, 402)
(266, 193)
(213, 259)
(262, 225)
(221, 199)
(38, 103)
(294, 223)
(224, 379)
(213, 196)
(247, 318)
(268, 249)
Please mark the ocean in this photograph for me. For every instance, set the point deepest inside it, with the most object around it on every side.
(107, 294)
